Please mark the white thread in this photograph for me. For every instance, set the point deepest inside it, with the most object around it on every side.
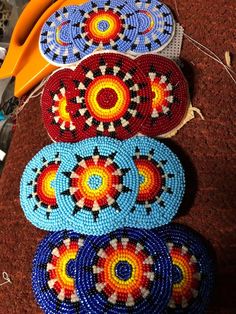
(32, 95)
(6, 279)
(198, 111)
(209, 52)
(176, 8)
(216, 58)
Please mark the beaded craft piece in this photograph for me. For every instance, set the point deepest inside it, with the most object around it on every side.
(105, 25)
(53, 273)
(127, 271)
(37, 188)
(96, 186)
(193, 269)
(54, 104)
(55, 41)
(170, 96)
(112, 96)
(156, 26)
(161, 183)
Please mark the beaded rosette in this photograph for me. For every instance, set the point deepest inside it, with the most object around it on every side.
(170, 95)
(96, 186)
(126, 271)
(156, 26)
(55, 42)
(104, 24)
(111, 96)
(161, 183)
(37, 188)
(193, 269)
(54, 105)
(53, 273)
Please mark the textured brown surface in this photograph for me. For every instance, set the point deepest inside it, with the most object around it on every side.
(207, 149)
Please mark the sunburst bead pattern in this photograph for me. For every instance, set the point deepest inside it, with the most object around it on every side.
(156, 26)
(96, 186)
(37, 188)
(105, 24)
(126, 271)
(161, 183)
(56, 42)
(111, 96)
(193, 269)
(170, 94)
(53, 273)
(54, 105)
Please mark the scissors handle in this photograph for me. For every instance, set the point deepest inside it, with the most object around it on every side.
(27, 25)
(24, 60)
(28, 20)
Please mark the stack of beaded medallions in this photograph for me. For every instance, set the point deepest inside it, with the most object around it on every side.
(135, 26)
(112, 94)
(105, 184)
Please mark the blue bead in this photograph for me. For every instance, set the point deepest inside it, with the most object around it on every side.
(123, 270)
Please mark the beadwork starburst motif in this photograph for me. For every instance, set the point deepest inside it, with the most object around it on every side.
(95, 183)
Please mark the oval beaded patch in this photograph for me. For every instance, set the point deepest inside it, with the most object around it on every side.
(53, 273)
(55, 41)
(161, 183)
(112, 96)
(127, 271)
(193, 269)
(156, 26)
(37, 188)
(170, 95)
(54, 105)
(104, 25)
(96, 186)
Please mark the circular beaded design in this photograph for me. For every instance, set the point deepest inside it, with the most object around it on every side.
(161, 183)
(104, 24)
(37, 188)
(53, 273)
(55, 41)
(97, 186)
(156, 26)
(127, 271)
(170, 96)
(112, 96)
(193, 269)
(54, 106)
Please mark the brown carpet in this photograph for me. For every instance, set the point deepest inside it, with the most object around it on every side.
(207, 149)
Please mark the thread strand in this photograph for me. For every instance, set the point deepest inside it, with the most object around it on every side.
(6, 279)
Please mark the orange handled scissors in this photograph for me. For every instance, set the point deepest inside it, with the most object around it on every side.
(24, 60)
